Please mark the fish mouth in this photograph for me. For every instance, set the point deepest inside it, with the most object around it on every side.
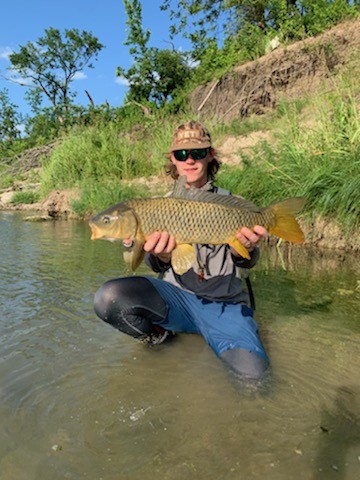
(95, 232)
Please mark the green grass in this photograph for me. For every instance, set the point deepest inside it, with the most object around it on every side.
(320, 162)
(25, 197)
(107, 153)
(6, 179)
(98, 196)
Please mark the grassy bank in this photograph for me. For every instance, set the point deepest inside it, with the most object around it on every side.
(317, 157)
(315, 153)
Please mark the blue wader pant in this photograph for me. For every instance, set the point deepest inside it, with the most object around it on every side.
(138, 306)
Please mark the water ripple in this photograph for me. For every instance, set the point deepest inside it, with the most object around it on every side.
(78, 399)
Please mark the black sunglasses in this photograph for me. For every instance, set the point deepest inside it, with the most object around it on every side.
(194, 153)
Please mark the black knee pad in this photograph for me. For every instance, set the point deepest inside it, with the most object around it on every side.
(132, 305)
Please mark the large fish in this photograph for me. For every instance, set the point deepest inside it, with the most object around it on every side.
(194, 216)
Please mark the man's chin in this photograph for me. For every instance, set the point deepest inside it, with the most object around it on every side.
(192, 176)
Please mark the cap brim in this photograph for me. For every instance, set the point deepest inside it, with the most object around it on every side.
(190, 144)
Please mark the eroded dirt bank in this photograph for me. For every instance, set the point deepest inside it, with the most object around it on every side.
(287, 72)
(57, 205)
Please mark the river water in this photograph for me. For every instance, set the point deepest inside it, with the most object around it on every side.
(80, 400)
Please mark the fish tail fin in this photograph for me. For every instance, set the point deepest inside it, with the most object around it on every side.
(286, 225)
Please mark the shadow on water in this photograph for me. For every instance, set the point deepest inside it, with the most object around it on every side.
(340, 427)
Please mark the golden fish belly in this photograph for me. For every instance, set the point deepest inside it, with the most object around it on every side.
(194, 222)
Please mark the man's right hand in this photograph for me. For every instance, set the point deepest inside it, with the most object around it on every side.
(160, 244)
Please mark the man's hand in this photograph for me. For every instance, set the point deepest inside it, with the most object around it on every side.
(250, 238)
(160, 244)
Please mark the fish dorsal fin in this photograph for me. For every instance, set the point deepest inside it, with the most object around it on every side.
(198, 195)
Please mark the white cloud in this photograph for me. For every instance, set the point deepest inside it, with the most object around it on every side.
(79, 76)
(122, 81)
(5, 52)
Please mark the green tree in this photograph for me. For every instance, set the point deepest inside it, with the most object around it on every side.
(224, 33)
(49, 65)
(43, 127)
(202, 17)
(155, 74)
(321, 14)
(10, 119)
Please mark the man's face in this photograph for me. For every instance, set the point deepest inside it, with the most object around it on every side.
(194, 170)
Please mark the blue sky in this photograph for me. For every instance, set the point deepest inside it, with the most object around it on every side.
(24, 20)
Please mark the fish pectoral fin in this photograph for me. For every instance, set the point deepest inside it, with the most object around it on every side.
(135, 255)
(240, 248)
(183, 257)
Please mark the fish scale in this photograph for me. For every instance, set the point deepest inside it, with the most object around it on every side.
(194, 222)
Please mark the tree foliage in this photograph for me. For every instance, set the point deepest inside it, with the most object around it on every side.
(200, 19)
(49, 65)
(156, 74)
(9, 118)
(228, 32)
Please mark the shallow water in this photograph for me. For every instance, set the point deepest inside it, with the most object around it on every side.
(80, 400)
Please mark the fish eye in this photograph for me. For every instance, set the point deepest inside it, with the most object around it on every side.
(106, 219)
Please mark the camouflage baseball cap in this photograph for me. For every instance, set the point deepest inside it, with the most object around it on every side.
(191, 135)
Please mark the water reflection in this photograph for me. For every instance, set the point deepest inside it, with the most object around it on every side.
(80, 400)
